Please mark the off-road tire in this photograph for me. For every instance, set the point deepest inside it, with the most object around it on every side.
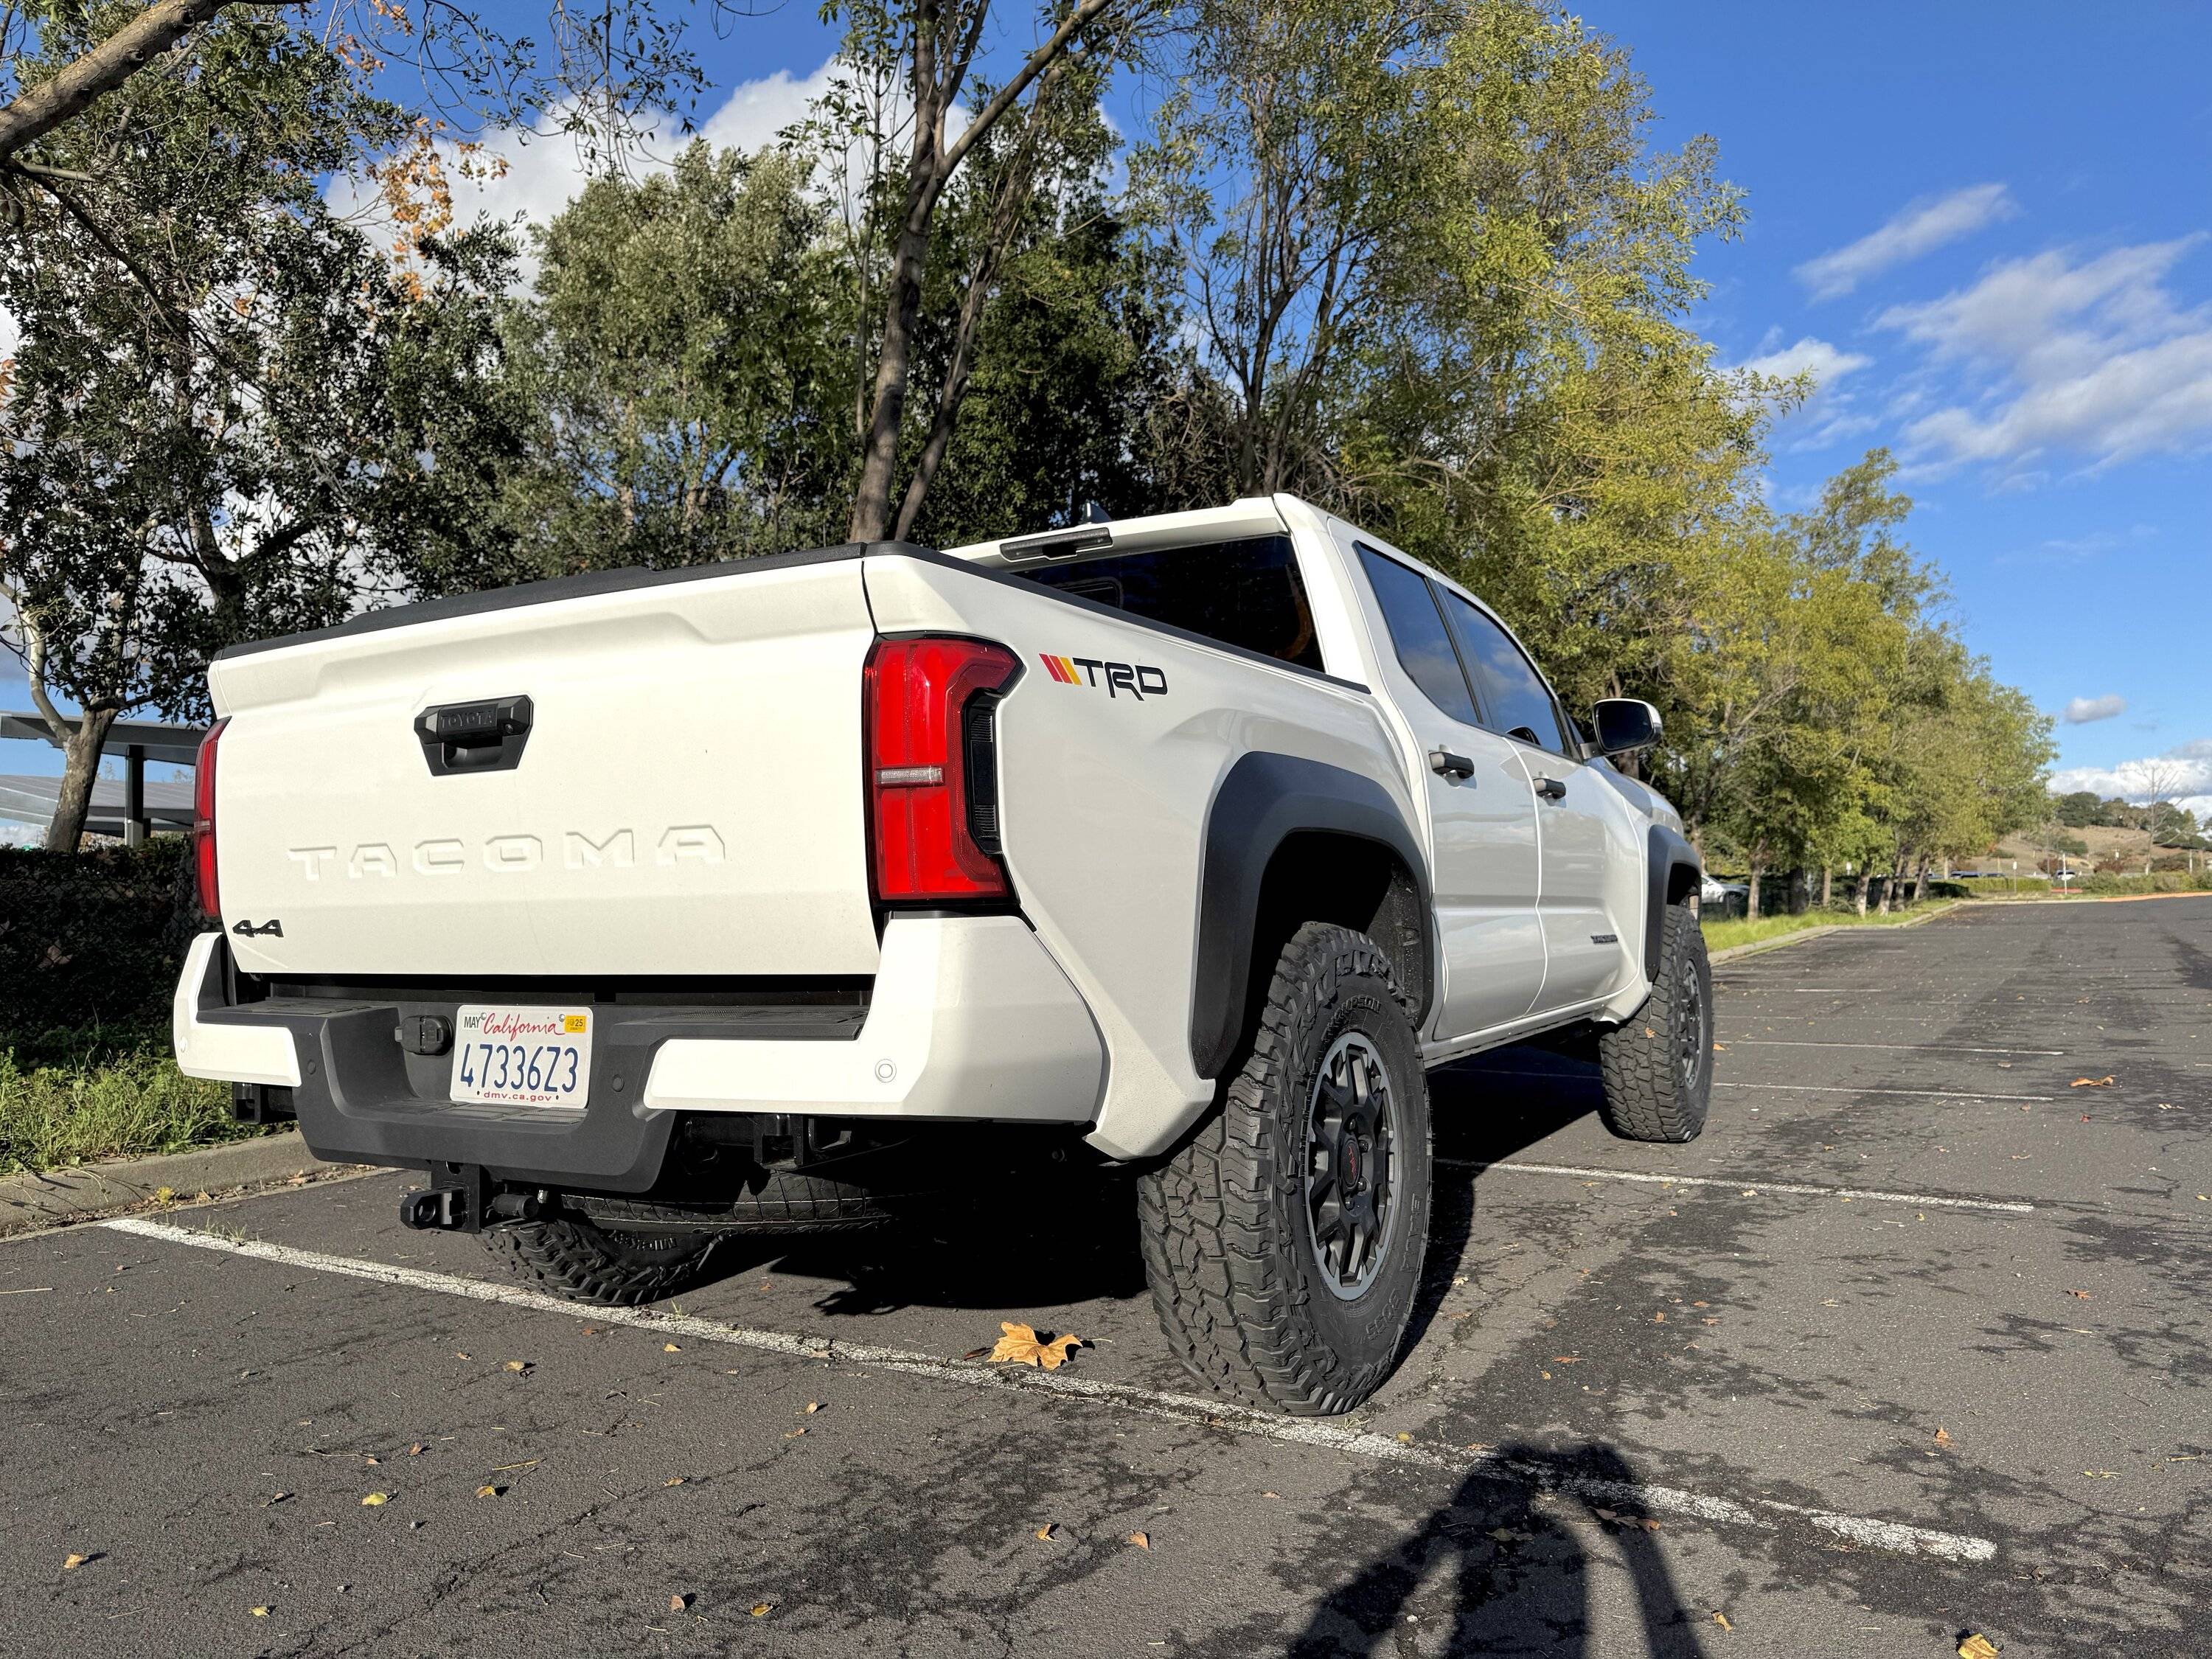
(1225, 1225)
(1657, 1069)
(773, 1201)
(577, 1261)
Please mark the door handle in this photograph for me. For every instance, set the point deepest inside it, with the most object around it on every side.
(475, 737)
(1445, 763)
(1551, 788)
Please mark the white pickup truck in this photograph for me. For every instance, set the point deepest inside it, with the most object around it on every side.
(642, 907)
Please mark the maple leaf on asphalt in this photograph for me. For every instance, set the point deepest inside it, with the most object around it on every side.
(1021, 1345)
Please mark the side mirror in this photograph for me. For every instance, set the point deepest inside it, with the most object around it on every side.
(1623, 725)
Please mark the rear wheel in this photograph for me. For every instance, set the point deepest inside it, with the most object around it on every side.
(1284, 1240)
(1657, 1069)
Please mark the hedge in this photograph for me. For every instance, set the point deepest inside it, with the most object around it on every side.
(91, 945)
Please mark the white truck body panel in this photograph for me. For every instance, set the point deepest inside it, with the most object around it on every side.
(690, 803)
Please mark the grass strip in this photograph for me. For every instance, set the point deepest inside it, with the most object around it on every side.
(1725, 935)
(130, 1105)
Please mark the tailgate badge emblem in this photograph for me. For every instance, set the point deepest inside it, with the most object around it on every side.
(245, 929)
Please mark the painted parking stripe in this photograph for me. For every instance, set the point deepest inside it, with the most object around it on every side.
(1901, 1048)
(1793, 1088)
(1766, 1514)
(1749, 1187)
(1847, 1089)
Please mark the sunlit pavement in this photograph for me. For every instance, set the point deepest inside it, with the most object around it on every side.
(1911, 1343)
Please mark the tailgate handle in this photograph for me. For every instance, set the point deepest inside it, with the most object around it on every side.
(485, 736)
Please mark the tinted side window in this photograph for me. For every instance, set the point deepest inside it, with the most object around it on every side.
(1416, 632)
(1246, 593)
(1512, 691)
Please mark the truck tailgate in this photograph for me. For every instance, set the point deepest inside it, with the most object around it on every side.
(688, 798)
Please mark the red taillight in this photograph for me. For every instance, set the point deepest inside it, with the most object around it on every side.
(923, 754)
(203, 820)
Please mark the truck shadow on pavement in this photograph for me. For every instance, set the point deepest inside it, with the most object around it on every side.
(1055, 1235)
(1518, 1580)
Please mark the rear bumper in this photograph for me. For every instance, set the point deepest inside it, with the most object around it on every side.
(970, 1019)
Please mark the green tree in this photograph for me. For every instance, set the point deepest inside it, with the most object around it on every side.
(200, 442)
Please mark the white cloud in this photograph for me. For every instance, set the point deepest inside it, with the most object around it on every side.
(2080, 711)
(1924, 226)
(544, 174)
(2092, 358)
(1827, 364)
(2180, 774)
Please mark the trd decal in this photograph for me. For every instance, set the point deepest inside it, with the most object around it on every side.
(1139, 680)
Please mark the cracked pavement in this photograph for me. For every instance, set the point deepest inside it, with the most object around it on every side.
(1767, 1357)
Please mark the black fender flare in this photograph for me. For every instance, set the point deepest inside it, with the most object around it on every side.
(1668, 853)
(1263, 800)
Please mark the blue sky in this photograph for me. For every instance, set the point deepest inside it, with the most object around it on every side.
(1988, 230)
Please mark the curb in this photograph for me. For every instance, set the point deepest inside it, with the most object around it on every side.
(52, 1198)
(1759, 947)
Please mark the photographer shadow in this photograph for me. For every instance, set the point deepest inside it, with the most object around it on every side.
(1520, 1581)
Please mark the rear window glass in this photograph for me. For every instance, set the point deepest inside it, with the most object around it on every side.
(1416, 632)
(1247, 593)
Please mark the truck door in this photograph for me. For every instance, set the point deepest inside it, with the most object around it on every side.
(1482, 814)
(1588, 848)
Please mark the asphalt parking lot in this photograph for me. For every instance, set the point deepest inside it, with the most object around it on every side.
(1913, 1342)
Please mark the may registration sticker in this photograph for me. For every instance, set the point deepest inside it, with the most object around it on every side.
(522, 1056)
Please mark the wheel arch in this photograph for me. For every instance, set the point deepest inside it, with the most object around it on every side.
(1675, 872)
(1291, 840)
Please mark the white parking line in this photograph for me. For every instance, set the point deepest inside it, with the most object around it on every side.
(1752, 1188)
(1765, 1513)
(1846, 1089)
(1902, 1048)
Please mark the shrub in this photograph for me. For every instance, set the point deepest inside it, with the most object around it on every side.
(91, 945)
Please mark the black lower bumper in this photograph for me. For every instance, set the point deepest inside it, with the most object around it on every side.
(364, 1098)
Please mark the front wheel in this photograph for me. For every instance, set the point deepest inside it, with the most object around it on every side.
(1284, 1240)
(1657, 1069)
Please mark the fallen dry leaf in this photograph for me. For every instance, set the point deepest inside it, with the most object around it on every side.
(761, 1610)
(2091, 1081)
(1978, 1647)
(1142, 1541)
(673, 1480)
(1942, 1436)
(517, 1364)
(669, 1347)
(415, 1450)
(260, 1613)
(2084, 1294)
(74, 1562)
(679, 1603)
(794, 1434)
(1049, 1531)
(490, 1491)
(1404, 1438)
(1021, 1345)
(812, 1406)
(1721, 1619)
(376, 1498)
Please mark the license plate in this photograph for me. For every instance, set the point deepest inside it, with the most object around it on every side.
(522, 1056)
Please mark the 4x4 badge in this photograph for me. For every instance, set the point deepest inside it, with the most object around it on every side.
(246, 930)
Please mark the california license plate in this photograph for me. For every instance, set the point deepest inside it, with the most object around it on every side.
(522, 1056)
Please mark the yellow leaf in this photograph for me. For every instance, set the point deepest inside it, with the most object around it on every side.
(1721, 1619)
(376, 1498)
(261, 1613)
(669, 1347)
(812, 1406)
(1404, 1438)
(1021, 1345)
(490, 1491)
(164, 1195)
(1978, 1647)
(2088, 1082)
(673, 1480)
(1942, 1437)
(1142, 1541)
(517, 1364)
(74, 1562)
(761, 1610)
(1049, 1531)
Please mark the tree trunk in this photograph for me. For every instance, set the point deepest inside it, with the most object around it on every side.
(1859, 889)
(1750, 896)
(871, 498)
(1827, 885)
(80, 766)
